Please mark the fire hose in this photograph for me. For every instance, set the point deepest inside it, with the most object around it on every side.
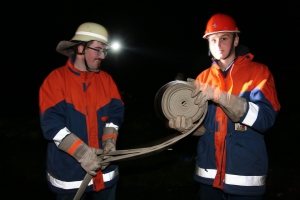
(171, 100)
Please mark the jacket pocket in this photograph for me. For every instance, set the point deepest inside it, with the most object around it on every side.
(205, 151)
(247, 157)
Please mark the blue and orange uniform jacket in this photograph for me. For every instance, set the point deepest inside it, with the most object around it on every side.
(232, 156)
(82, 103)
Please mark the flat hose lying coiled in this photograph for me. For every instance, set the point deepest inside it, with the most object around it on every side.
(171, 100)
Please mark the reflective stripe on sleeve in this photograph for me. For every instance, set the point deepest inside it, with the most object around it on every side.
(112, 125)
(251, 115)
(76, 184)
(60, 135)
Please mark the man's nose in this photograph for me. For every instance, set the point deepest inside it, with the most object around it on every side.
(218, 43)
(102, 56)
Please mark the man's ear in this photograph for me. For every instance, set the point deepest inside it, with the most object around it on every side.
(236, 40)
(80, 49)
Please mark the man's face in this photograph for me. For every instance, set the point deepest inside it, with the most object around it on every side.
(220, 44)
(91, 54)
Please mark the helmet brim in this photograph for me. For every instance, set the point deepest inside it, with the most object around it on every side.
(65, 47)
(223, 31)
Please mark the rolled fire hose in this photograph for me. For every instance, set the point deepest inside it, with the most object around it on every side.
(171, 100)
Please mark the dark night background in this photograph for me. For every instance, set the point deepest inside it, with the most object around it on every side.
(160, 39)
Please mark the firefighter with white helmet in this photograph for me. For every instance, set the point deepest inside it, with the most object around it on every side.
(86, 33)
(80, 113)
(232, 161)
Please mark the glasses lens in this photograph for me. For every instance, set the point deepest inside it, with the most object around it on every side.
(102, 52)
(99, 51)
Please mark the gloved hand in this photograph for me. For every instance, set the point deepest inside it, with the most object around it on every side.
(86, 156)
(234, 106)
(109, 139)
(204, 92)
(181, 124)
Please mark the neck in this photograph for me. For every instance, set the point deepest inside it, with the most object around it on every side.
(79, 63)
(223, 63)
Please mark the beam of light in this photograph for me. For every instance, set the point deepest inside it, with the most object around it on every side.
(115, 46)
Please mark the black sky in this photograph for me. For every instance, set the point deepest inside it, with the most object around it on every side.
(160, 39)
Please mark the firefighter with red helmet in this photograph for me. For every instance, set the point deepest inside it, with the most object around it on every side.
(232, 161)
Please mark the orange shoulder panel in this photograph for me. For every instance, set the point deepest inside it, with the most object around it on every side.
(50, 91)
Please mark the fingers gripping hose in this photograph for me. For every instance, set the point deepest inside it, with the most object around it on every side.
(171, 100)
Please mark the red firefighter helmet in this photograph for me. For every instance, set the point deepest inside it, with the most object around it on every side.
(220, 23)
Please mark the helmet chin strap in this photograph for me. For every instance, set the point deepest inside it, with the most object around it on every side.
(89, 69)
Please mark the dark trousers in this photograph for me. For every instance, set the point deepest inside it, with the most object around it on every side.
(208, 192)
(106, 194)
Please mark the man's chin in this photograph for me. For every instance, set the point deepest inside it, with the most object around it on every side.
(220, 57)
(95, 69)
(217, 57)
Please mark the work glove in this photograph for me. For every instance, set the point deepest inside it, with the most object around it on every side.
(234, 106)
(109, 139)
(183, 124)
(86, 156)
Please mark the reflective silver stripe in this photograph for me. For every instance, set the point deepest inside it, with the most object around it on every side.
(111, 175)
(60, 135)
(64, 184)
(112, 125)
(206, 173)
(76, 184)
(251, 115)
(245, 180)
(231, 179)
(91, 34)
